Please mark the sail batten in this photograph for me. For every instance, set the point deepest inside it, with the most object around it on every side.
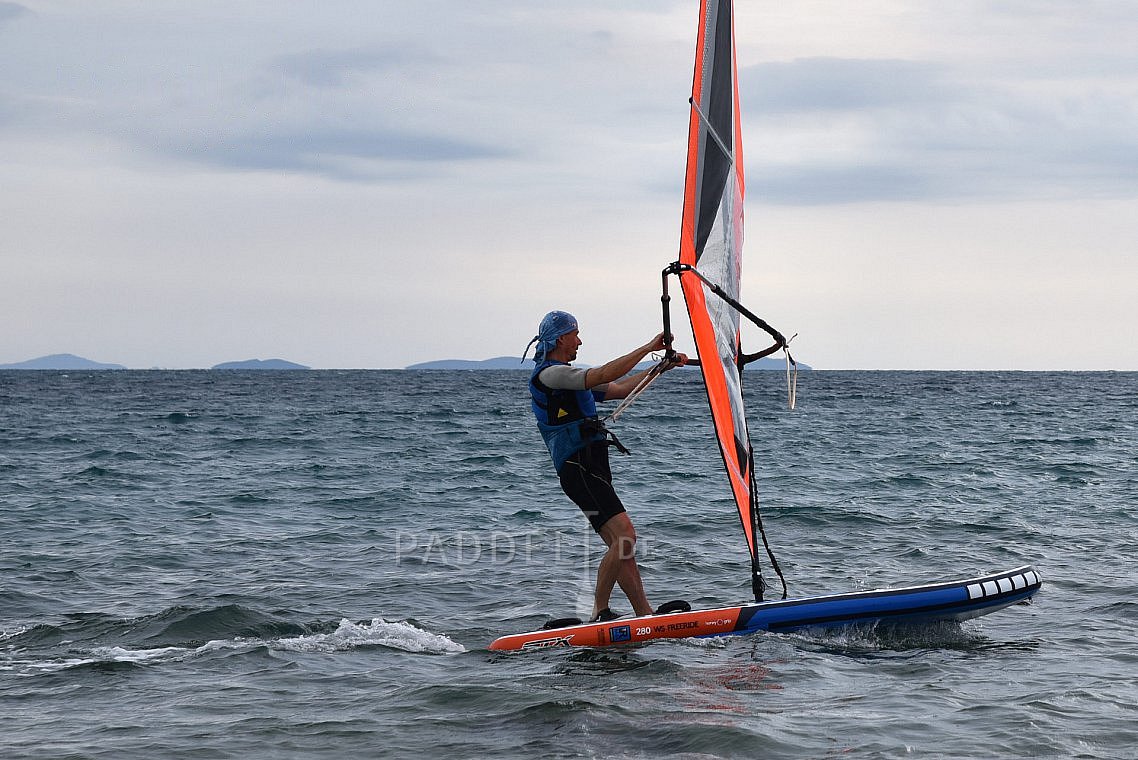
(711, 242)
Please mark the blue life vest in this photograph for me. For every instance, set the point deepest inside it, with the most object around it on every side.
(567, 419)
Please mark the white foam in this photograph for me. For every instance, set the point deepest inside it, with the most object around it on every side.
(118, 654)
(100, 655)
(349, 635)
(12, 633)
(712, 642)
(216, 645)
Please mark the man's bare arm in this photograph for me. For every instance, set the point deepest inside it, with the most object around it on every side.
(621, 366)
(621, 388)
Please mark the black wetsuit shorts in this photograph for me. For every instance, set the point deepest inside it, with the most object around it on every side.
(587, 480)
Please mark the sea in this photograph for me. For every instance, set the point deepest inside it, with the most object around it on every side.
(311, 564)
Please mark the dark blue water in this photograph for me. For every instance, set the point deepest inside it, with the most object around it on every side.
(311, 564)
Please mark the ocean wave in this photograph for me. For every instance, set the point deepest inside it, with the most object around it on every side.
(377, 632)
(886, 636)
(179, 417)
(99, 658)
(347, 636)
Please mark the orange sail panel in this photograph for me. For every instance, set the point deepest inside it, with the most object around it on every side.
(711, 240)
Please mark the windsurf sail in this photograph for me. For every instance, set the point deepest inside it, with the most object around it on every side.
(710, 263)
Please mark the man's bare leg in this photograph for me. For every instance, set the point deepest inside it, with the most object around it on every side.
(619, 566)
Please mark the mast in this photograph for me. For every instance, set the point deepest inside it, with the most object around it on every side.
(711, 240)
(710, 262)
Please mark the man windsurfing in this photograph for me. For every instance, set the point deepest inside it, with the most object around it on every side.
(564, 402)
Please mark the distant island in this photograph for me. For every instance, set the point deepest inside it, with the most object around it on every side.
(73, 362)
(500, 362)
(260, 364)
(514, 362)
(61, 361)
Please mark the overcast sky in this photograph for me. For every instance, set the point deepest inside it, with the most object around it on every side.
(930, 185)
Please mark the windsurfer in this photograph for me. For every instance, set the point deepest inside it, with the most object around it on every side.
(564, 402)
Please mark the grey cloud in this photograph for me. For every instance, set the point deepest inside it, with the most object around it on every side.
(913, 132)
(7, 112)
(334, 68)
(837, 184)
(9, 11)
(834, 84)
(339, 154)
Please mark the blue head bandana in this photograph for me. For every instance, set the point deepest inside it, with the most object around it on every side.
(553, 326)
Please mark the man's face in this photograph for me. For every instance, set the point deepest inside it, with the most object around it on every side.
(568, 344)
